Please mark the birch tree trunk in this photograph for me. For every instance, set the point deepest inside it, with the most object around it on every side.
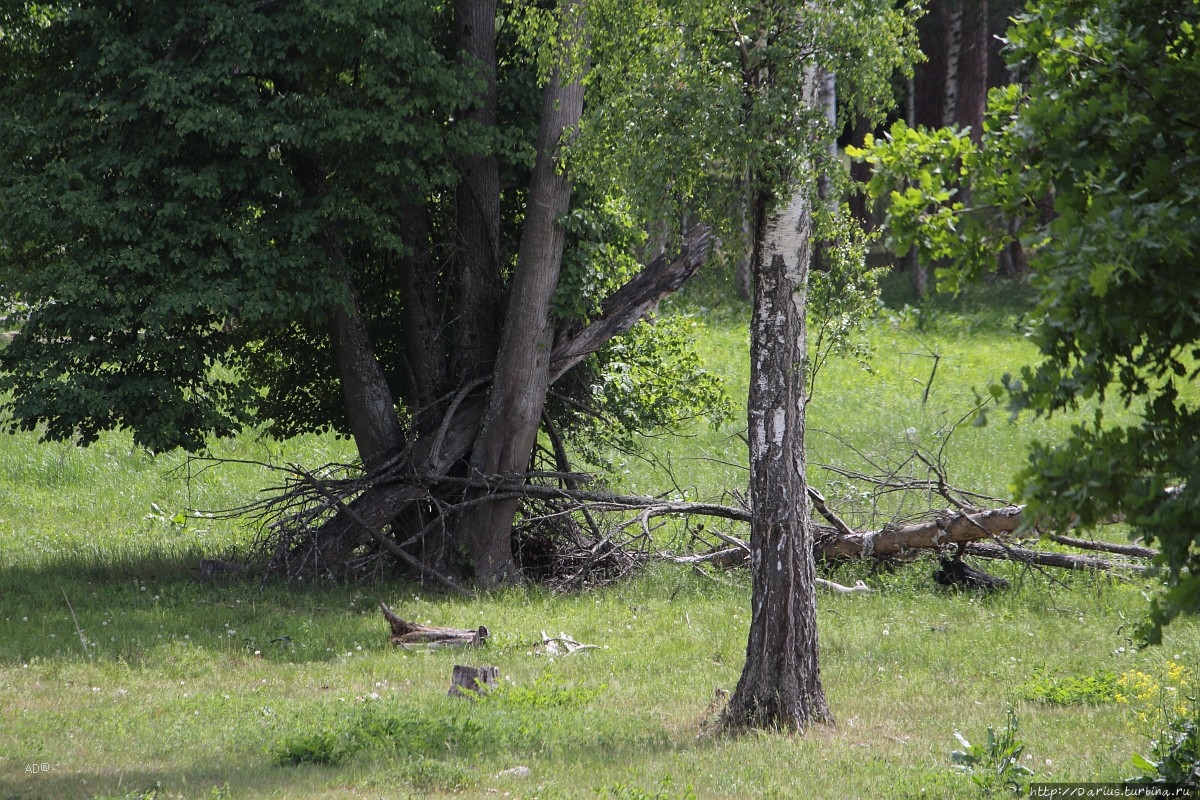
(523, 365)
(780, 686)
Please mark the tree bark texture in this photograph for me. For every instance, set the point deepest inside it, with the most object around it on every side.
(780, 686)
(522, 373)
(477, 207)
(369, 403)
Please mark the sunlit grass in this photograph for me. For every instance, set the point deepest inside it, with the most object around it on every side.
(121, 671)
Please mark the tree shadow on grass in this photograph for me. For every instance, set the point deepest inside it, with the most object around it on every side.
(79, 607)
(136, 783)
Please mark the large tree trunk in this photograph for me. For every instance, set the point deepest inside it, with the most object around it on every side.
(448, 443)
(477, 207)
(522, 372)
(780, 686)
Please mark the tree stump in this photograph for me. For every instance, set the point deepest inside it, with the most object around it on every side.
(472, 681)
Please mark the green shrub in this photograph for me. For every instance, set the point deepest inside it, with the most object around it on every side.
(1095, 689)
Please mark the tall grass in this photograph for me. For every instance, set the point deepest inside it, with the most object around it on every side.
(126, 676)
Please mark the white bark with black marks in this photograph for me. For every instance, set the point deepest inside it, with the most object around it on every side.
(780, 686)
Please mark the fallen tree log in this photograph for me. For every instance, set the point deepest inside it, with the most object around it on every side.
(1044, 559)
(964, 528)
(946, 528)
(1131, 550)
(405, 633)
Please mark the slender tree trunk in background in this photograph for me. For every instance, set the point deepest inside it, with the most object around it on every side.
(952, 41)
(780, 686)
(929, 80)
(522, 369)
(477, 207)
(973, 68)
(744, 266)
(827, 101)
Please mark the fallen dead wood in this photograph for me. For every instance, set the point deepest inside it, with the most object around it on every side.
(405, 633)
(1131, 550)
(1043, 559)
(948, 527)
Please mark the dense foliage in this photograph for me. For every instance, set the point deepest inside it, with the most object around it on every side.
(1096, 161)
(174, 179)
(169, 172)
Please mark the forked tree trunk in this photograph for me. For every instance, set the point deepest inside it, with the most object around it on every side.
(478, 294)
(780, 685)
(522, 372)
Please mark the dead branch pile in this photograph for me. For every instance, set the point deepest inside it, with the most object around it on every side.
(569, 536)
(570, 533)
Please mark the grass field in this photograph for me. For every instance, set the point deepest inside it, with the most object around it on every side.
(124, 676)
